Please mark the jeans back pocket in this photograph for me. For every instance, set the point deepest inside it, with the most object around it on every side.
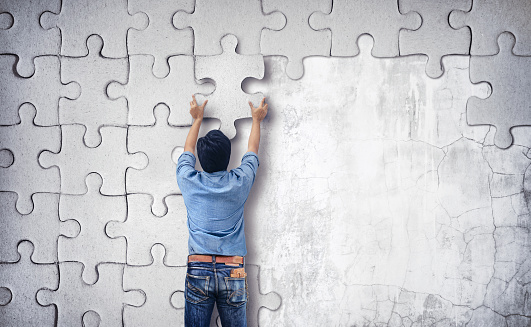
(196, 288)
(237, 290)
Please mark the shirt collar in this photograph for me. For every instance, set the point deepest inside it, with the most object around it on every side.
(217, 173)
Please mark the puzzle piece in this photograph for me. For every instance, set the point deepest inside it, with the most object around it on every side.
(213, 19)
(144, 91)
(92, 211)
(143, 229)
(43, 90)
(26, 141)
(297, 39)
(42, 227)
(76, 161)
(258, 300)
(24, 278)
(93, 109)
(229, 103)
(435, 38)
(80, 19)
(510, 102)
(74, 298)
(489, 18)
(160, 38)
(158, 282)
(22, 34)
(351, 18)
(158, 178)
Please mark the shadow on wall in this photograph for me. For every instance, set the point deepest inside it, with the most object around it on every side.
(239, 148)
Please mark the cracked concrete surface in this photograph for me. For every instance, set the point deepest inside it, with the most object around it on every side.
(386, 208)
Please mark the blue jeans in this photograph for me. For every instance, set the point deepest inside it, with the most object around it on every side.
(209, 282)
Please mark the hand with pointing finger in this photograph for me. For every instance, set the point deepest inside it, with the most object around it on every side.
(195, 110)
(260, 112)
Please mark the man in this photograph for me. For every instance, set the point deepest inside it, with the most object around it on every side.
(214, 200)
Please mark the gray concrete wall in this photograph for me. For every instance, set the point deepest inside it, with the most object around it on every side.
(377, 205)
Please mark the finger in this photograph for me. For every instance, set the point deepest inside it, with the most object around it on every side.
(265, 107)
(251, 105)
(262, 103)
(191, 104)
(204, 104)
(195, 102)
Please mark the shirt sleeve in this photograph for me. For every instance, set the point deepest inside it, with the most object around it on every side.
(185, 165)
(248, 167)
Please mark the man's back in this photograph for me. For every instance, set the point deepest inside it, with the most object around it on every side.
(215, 205)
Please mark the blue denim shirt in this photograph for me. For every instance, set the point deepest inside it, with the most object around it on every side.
(214, 204)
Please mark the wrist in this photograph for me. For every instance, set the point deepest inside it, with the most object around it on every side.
(198, 120)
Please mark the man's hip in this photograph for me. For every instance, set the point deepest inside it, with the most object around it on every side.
(228, 260)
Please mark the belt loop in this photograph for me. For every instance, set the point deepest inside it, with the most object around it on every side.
(214, 259)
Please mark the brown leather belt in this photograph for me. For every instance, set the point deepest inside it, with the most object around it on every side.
(219, 258)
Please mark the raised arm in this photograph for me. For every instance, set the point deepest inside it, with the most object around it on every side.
(258, 115)
(197, 114)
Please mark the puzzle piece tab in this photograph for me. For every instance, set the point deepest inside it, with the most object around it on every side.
(228, 102)
(110, 159)
(143, 229)
(213, 19)
(24, 278)
(74, 298)
(25, 141)
(158, 282)
(93, 108)
(42, 227)
(92, 211)
(22, 34)
(91, 319)
(435, 37)
(5, 296)
(43, 90)
(510, 102)
(6, 158)
(489, 18)
(160, 39)
(80, 19)
(351, 18)
(144, 91)
(297, 39)
(6, 20)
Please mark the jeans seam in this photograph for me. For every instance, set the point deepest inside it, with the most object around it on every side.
(216, 279)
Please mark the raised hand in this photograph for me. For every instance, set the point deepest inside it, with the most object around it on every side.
(195, 110)
(260, 112)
